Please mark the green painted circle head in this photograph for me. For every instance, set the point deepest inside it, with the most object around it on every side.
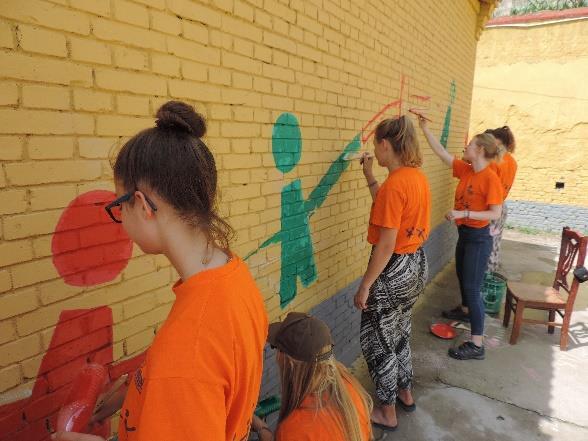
(286, 142)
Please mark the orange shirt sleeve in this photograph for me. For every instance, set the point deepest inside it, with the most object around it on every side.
(180, 408)
(388, 207)
(495, 194)
(460, 168)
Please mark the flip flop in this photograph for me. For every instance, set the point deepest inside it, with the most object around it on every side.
(406, 407)
(384, 427)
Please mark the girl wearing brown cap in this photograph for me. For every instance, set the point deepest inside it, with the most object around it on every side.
(397, 269)
(321, 400)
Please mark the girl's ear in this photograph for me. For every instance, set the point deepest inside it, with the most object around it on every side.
(146, 208)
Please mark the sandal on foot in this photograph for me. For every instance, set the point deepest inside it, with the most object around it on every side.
(404, 406)
(384, 427)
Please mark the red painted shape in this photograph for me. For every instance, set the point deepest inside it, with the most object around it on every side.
(81, 337)
(369, 129)
(540, 16)
(88, 247)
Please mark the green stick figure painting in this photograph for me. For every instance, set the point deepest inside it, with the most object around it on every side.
(297, 257)
(447, 122)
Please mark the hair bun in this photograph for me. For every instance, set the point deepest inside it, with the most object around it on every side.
(179, 116)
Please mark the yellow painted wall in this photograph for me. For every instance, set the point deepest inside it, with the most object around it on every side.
(79, 76)
(534, 80)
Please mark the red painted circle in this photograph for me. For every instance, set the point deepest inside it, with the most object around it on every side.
(88, 247)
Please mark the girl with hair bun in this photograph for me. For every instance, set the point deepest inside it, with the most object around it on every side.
(397, 270)
(506, 170)
(478, 200)
(201, 375)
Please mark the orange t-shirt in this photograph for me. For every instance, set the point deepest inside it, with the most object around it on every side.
(201, 376)
(476, 191)
(308, 424)
(506, 171)
(403, 202)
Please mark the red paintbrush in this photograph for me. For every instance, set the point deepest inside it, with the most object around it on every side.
(419, 114)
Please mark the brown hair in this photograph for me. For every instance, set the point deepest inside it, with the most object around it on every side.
(402, 136)
(488, 143)
(173, 161)
(327, 381)
(505, 135)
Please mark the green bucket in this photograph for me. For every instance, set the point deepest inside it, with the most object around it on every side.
(493, 291)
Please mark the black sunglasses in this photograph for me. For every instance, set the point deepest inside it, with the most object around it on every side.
(114, 208)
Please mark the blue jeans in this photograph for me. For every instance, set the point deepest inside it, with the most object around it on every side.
(471, 260)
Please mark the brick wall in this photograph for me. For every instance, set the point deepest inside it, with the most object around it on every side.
(531, 77)
(79, 77)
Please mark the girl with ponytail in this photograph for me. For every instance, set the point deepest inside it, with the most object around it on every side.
(506, 170)
(397, 270)
(478, 200)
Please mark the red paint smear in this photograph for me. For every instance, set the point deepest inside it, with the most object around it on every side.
(375, 117)
(81, 336)
(88, 247)
(421, 97)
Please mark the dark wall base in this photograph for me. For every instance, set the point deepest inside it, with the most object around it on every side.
(547, 217)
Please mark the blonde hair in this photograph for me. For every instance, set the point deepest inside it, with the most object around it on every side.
(491, 149)
(402, 136)
(326, 380)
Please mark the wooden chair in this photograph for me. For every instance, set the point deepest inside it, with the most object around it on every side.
(559, 298)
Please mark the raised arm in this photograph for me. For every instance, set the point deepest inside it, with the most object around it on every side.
(436, 146)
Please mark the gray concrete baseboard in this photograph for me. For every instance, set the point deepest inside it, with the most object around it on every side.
(547, 217)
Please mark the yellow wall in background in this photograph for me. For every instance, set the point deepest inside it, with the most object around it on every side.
(78, 77)
(533, 79)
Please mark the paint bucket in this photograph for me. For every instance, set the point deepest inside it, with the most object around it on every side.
(493, 291)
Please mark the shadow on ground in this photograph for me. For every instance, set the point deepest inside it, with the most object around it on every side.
(529, 391)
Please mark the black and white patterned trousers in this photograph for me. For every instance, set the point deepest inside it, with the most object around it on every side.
(386, 323)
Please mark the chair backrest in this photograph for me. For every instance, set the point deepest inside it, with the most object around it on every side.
(572, 244)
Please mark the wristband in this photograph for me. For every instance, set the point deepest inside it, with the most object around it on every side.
(371, 184)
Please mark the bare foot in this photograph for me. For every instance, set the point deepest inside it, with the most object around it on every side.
(406, 396)
(385, 415)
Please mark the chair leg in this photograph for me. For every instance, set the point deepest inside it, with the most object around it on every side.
(550, 329)
(563, 339)
(518, 322)
(507, 309)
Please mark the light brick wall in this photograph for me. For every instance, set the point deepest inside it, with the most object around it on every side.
(532, 78)
(78, 77)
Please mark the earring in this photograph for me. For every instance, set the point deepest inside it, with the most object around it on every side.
(207, 254)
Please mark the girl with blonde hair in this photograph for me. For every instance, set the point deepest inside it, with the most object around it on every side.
(397, 270)
(478, 200)
(321, 400)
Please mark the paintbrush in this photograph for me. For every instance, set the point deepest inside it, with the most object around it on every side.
(419, 114)
(354, 156)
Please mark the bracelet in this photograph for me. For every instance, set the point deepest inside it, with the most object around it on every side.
(371, 184)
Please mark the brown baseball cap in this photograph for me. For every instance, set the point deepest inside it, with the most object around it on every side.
(302, 337)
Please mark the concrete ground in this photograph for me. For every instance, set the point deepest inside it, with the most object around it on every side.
(529, 391)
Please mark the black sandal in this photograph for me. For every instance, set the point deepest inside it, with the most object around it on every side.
(404, 406)
(384, 427)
